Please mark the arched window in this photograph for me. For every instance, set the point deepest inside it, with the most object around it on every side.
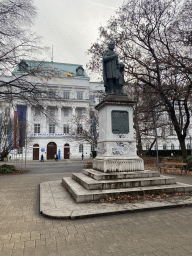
(172, 146)
(164, 146)
(79, 129)
(81, 148)
(92, 148)
(36, 145)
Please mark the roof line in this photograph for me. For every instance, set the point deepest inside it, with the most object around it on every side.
(52, 62)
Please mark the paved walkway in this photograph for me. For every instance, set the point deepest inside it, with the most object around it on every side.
(23, 231)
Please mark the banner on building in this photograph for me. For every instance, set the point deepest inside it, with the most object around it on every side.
(21, 116)
(16, 131)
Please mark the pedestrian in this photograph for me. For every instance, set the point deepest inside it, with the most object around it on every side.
(42, 159)
(82, 156)
(56, 157)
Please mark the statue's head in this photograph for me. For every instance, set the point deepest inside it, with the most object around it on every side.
(111, 45)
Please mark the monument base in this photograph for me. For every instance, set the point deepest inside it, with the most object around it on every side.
(123, 164)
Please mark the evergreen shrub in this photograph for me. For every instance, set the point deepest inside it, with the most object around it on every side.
(6, 168)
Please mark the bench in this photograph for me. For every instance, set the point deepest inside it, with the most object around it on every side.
(89, 165)
(174, 166)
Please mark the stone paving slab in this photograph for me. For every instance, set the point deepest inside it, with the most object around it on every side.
(56, 202)
(97, 175)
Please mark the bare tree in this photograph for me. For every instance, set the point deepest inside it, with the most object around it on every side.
(154, 41)
(6, 132)
(16, 39)
(18, 42)
(85, 127)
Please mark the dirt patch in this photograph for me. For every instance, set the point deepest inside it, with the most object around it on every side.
(135, 199)
(153, 167)
(16, 173)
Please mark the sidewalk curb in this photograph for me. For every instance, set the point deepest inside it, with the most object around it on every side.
(71, 217)
(55, 202)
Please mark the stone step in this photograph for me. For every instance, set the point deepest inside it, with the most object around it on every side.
(97, 175)
(92, 184)
(82, 195)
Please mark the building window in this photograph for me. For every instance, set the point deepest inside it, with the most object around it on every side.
(171, 130)
(51, 128)
(20, 151)
(92, 98)
(79, 95)
(92, 148)
(164, 146)
(51, 94)
(79, 129)
(172, 146)
(79, 111)
(163, 131)
(36, 128)
(66, 112)
(52, 112)
(188, 146)
(66, 128)
(147, 147)
(81, 148)
(38, 93)
(66, 95)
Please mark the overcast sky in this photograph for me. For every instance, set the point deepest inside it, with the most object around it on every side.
(72, 26)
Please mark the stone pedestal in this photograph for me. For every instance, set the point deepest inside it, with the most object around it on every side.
(117, 170)
(116, 148)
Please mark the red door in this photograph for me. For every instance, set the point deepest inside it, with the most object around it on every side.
(66, 151)
(36, 152)
(51, 150)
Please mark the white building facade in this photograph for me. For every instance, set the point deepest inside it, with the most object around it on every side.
(49, 122)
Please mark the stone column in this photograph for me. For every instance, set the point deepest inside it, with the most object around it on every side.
(87, 112)
(59, 128)
(12, 109)
(73, 111)
(30, 125)
(45, 127)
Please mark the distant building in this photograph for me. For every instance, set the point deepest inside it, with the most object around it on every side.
(64, 92)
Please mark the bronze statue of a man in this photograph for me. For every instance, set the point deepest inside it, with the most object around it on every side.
(113, 71)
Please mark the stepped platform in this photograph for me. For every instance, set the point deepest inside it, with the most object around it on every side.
(93, 185)
(97, 175)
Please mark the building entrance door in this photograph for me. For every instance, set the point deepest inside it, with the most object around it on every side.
(36, 152)
(66, 151)
(51, 150)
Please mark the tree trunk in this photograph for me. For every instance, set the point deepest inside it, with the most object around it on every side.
(152, 144)
(183, 148)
